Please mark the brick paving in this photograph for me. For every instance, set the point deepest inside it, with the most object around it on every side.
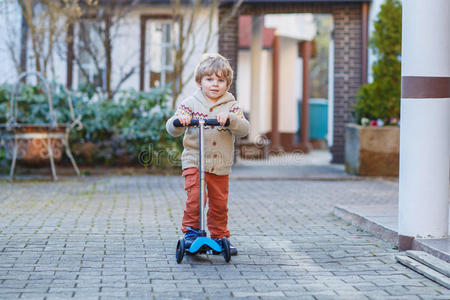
(114, 237)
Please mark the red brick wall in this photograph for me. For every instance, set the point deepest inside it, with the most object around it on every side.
(229, 39)
(348, 53)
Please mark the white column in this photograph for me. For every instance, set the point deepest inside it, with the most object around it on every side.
(331, 92)
(425, 121)
(256, 50)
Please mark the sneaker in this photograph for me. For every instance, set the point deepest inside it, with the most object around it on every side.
(233, 250)
(190, 236)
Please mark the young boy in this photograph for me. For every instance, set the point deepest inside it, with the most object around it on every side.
(212, 100)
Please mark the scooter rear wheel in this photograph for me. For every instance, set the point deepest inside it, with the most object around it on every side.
(181, 248)
(226, 249)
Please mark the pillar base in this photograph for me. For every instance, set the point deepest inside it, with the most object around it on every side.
(405, 242)
(306, 147)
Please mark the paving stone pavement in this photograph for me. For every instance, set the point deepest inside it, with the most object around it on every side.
(114, 237)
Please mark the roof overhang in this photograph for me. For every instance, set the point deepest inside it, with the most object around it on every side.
(294, 1)
(229, 1)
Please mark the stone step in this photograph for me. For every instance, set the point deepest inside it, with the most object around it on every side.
(424, 270)
(430, 261)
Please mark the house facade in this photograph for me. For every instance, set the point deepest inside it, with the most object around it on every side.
(350, 22)
(142, 58)
(142, 46)
(289, 32)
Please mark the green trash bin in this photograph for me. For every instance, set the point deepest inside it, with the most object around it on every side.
(318, 118)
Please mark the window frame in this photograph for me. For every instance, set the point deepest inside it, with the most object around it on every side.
(144, 80)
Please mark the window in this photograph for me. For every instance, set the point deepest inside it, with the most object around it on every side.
(91, 59)
(159, 53)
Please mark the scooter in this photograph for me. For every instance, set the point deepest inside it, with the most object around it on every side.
(202, 244)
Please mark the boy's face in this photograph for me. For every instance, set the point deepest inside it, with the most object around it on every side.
(213, 86)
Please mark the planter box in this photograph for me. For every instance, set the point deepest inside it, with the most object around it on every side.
(372, 151)
(32, 151)
(249, 150)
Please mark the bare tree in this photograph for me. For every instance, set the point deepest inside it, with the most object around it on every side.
(44, 24)
(186, 16)
(104, 24)
(46, 21)
(107, 19)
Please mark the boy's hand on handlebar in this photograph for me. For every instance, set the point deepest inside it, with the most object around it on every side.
(185, 120)
(222, 118)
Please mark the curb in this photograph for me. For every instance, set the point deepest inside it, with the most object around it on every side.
(366, 224)
(421, 245)
(387, 234)
(428, 271)
(243, 178)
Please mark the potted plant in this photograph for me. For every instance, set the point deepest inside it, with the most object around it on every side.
(372, 145)
(31, 116)
(31, 130)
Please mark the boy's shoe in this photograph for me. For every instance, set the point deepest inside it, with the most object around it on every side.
(190, 236)
(233, 250)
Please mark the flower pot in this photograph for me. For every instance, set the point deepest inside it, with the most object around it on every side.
(32, 146)
(372, 151)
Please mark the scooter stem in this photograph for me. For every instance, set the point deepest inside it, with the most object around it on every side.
(201, 124)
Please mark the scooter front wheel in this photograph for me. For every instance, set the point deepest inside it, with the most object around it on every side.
(226, 249)
(181, 248)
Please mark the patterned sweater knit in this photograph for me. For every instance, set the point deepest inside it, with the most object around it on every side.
(219, 141)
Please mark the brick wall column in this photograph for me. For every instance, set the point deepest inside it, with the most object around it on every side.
(347, 71)
(228, 39)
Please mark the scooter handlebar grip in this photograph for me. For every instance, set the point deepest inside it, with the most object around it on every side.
(214, 122)
(177, 123)
(194, 122)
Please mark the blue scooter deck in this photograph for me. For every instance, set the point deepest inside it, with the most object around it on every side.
(204, 241)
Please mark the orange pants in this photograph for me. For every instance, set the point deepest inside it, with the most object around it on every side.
(217, 194)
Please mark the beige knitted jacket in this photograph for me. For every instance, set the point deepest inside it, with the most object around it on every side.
(219, 141)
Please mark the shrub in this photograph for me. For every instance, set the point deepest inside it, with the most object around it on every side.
(126, 128)
(381, 98)
(129, 129)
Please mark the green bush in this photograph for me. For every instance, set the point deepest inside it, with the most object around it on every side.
(32, 104)
(381, 98)
(126, 128)
(129, 129)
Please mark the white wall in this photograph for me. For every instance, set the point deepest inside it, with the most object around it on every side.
(10, 21)
(10, 34)
(298, 83)
(126, 51)
(243, 91)
(296, 26)
(289, 76)
(265, 109)
(57, 69)
(127, 48)
(201, 32)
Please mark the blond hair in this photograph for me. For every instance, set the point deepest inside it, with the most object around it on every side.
(214, 63)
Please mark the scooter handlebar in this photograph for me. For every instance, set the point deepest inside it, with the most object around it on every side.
(194, 122)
